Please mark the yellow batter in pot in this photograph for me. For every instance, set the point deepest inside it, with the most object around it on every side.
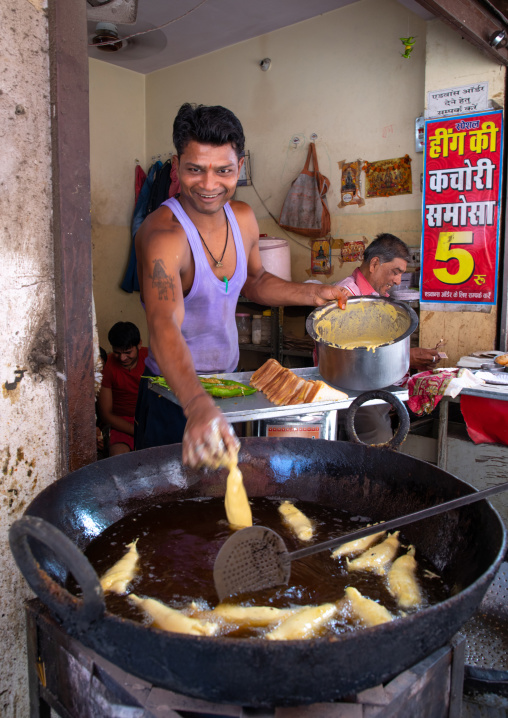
(363, 323)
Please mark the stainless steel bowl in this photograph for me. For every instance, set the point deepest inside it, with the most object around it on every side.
(360, 367)
(493, 367)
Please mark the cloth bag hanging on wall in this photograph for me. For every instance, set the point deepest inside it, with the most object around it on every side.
(305, 210)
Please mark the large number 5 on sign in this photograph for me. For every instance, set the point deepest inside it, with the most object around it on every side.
(445, 252)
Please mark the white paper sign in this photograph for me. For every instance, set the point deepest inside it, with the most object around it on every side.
(458, 100)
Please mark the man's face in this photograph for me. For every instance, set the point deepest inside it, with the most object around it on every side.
(128, 358)
(384, 275)
(208, 175)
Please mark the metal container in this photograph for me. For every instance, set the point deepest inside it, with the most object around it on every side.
(342, 338)
(244, 326)
(276, 256)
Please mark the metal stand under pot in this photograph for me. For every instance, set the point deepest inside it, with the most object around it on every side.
(74, 681)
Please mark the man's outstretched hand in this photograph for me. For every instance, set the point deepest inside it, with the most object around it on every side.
(325, 293)
(209, 438)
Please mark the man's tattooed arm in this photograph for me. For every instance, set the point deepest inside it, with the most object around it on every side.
(162, 280)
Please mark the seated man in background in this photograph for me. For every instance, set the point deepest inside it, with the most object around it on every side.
(120, 383)
(384, 262)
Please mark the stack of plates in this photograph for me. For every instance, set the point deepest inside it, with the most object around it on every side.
(495, 377)
(478, 360)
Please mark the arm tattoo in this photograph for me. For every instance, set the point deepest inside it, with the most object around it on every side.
(162, 281)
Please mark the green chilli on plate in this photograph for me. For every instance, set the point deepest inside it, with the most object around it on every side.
(222, 388)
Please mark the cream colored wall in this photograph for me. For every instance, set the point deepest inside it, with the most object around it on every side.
(117, 139)
(341, 76)
(451, 62)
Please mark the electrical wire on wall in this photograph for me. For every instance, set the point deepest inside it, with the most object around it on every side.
(301, 244)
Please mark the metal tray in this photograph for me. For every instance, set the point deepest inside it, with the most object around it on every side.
(257, 406)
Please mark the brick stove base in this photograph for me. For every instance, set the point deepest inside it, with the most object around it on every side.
(78, 683)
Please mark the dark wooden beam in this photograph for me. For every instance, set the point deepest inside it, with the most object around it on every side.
(72, 230)
(473, 21)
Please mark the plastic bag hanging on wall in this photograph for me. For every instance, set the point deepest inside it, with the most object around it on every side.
(305, 210)
(350, 184)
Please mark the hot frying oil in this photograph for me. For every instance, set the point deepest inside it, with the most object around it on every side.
(179, 541)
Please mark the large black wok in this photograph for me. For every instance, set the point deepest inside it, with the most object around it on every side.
(466, 546)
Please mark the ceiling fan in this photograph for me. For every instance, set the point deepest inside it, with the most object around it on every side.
(110, 25)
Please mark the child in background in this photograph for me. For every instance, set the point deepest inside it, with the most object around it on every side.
(120, 382)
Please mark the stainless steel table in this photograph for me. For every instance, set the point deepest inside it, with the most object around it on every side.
(257, 407)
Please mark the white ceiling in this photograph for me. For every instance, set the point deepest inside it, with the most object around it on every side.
(207, 25)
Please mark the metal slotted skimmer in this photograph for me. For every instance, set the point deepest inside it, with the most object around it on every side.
(256, 558)
(259, 559)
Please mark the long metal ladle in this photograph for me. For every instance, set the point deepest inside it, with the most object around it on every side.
(256, 558)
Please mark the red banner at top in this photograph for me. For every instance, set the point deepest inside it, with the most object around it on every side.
(461, 209)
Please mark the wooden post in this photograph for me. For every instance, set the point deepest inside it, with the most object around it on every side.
(72, 231)
(442, 441)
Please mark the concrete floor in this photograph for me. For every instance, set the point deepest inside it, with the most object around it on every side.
(488, 705)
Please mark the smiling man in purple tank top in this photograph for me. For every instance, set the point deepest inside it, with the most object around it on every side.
(195, 254)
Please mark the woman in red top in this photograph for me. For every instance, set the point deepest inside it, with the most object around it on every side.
(120, 382)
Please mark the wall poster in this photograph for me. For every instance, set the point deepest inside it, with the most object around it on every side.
(461, 209)
(321, 256)
(388, 178)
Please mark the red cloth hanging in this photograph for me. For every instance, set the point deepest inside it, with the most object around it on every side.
(174, 187)
(139, 180)
(486, 419)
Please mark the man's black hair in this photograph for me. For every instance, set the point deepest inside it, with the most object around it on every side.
(213, 125)
(387, 247)
(124, 336)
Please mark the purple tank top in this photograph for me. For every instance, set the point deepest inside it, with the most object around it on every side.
(209, 326)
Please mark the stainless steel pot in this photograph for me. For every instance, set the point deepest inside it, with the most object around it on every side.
(357, 367)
